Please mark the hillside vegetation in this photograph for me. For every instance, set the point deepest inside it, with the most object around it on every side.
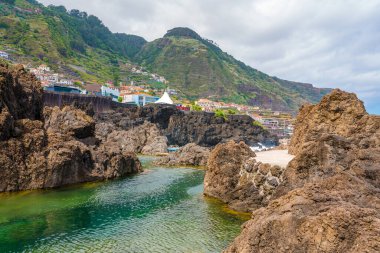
(74, 41)
(81, 46)
(201, 69)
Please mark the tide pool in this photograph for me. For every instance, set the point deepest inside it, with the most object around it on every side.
(161, 210)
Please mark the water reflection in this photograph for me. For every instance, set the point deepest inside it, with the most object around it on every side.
(161, 210)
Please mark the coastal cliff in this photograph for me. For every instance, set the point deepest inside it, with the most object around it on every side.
(50, 147)
(181, 128)
(329, 197)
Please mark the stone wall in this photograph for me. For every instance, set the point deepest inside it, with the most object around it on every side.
(96, 104)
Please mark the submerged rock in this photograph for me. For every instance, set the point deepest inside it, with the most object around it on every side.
(51, 147)
(329, 200)
(190, 154)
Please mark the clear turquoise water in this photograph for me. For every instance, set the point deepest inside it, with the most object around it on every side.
(161, 210)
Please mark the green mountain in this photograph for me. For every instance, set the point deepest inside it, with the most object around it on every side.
(199, 68)
(69, 41)
(81, 46)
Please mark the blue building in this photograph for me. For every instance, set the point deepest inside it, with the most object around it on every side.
(64, 89)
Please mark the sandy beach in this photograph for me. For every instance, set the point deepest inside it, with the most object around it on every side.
(274, 157)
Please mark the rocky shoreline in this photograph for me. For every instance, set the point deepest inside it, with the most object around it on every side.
(47, 147)
(328, 197)
(44, 147)
(326, 200)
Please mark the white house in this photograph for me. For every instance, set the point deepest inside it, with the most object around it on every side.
(139, 99)
(65, 82)
(52, 78)
(4, 55)
(44, 68)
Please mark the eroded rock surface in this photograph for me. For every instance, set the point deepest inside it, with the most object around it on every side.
(51, 147)
(235, 177)
(146, 138)
(329, 200)
(190, 154)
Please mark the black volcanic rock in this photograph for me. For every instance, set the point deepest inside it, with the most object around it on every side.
(181, 128)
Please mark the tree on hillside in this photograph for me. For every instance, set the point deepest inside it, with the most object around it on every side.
(116, 76)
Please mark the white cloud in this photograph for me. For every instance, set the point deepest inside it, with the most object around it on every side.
(326, 43)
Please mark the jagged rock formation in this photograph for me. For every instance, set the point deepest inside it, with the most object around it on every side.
(330, 198)
(339, 113)
(190, 154)
(235, 177)
(51, 147)
(181, 128)
(145, 138)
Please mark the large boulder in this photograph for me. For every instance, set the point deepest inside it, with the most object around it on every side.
(329, 200)
(339, 113)
(145, 138)
(69, 121)
(339, 214)
(188, 155)
(235, 177)
(155, 146)
(112, 162)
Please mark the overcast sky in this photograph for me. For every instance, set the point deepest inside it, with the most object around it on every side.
(323, 42)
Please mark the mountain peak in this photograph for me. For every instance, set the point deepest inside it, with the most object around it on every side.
(183, 32)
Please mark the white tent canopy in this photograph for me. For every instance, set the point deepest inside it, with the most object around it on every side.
(165, 99)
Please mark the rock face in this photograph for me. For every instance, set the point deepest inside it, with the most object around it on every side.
(146, 138)
(181, 128)
(205, 129)
(51, 147)
(329, 200)
(339, 113)
(234, 176)
(190, 154)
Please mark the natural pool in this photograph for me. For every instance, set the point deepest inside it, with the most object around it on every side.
(161, 210)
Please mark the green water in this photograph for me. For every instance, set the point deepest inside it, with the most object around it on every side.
(161, 210)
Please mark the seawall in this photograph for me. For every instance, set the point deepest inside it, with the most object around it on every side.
(97, 103)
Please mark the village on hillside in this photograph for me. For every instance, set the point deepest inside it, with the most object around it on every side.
(141, 94)
(278, 123)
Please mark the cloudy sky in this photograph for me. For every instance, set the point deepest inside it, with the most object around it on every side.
(323, 42)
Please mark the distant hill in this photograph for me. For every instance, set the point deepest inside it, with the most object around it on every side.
(199, 68)
(72, 40)
(81, 46)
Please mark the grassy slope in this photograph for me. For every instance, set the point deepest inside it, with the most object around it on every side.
(51, 37)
